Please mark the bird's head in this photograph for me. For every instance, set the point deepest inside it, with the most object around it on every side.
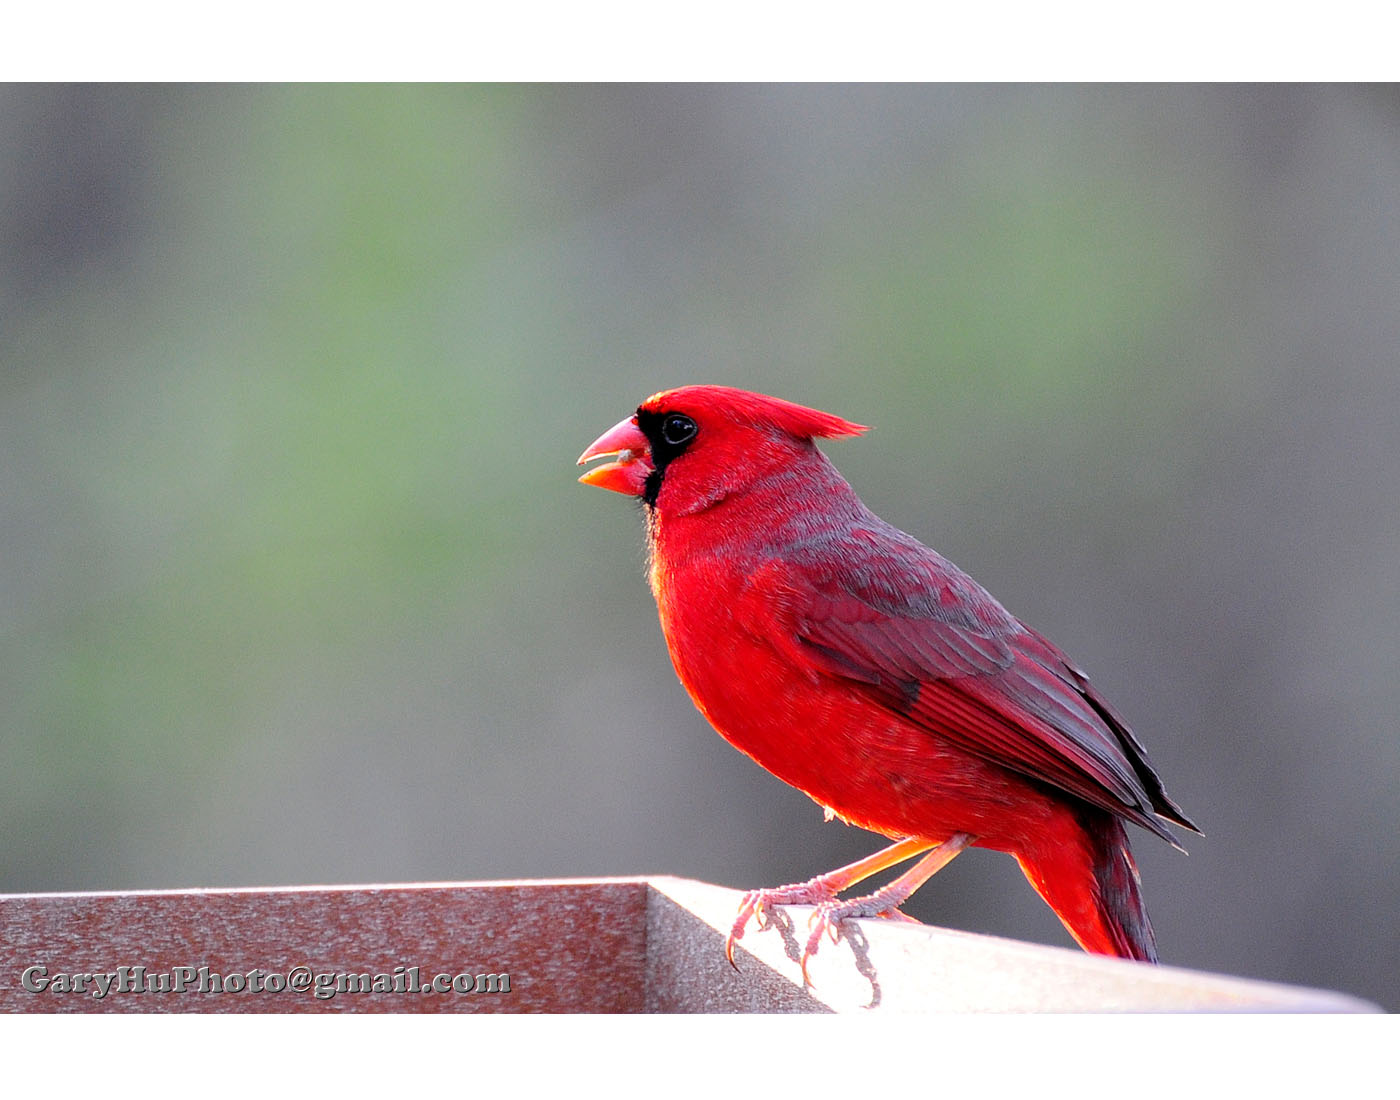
(703, 442)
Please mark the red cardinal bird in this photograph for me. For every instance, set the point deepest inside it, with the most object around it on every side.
(869, 672)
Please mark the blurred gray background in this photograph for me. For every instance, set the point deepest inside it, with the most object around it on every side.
(298, 586)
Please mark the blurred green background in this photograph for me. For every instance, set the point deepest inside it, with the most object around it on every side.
(298, 586)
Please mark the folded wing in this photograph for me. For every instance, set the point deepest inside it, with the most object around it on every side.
(921, 638)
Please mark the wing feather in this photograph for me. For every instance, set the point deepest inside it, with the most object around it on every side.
(920, 637)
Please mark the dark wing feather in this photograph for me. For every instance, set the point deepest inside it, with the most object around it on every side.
(918, 635)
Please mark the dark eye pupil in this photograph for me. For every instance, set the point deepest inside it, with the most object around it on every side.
(677, 429)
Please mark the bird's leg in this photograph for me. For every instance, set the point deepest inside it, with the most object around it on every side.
(884, 902)
(823, 888)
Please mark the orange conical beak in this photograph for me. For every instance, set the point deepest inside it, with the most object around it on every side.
(628, 471)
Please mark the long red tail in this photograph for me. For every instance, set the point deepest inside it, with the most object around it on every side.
(1091, 882)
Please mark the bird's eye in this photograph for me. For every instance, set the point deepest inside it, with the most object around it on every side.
(676, 429)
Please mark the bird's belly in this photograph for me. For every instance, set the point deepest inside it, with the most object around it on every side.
(871, 766)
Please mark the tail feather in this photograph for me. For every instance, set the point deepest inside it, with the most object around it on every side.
(1092, 884)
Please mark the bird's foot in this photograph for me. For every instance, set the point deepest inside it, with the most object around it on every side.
(829, 917)
(822, 891)
(754, 906)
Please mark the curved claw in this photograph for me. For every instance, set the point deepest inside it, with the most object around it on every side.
(746, 910)
(814, 941)
(752, 907)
